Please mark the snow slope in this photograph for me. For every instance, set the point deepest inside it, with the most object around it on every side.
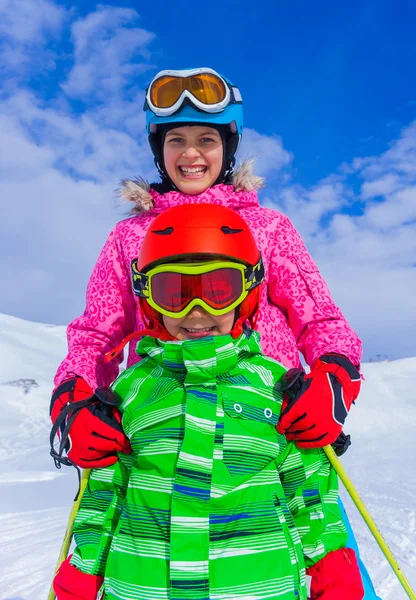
(35, 498)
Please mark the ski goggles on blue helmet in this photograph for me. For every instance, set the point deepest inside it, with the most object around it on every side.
(193, 95)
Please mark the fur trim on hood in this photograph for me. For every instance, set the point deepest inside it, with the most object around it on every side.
(138, 190)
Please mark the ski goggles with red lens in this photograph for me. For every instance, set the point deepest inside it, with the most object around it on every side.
(204, 88)
(217, 286)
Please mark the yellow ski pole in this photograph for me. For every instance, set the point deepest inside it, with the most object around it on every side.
(349, 486)
(70, 526)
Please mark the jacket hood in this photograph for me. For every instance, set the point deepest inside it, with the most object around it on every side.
(140, 192)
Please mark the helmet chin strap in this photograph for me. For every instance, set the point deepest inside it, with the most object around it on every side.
(166, 180)
(241, 325)
(153, 328)
(250, 310)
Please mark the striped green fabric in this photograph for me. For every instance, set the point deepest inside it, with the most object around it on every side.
(213, 503)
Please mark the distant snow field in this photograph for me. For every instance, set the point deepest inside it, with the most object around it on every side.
(35, 498)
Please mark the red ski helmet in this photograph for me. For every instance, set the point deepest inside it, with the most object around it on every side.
(206, 231)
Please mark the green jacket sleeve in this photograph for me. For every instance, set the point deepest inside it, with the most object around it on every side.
(312, 507)
(98, 515)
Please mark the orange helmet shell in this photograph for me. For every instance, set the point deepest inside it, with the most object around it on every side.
(197, 229)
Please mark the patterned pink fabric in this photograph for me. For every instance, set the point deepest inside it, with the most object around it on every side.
(296, 313)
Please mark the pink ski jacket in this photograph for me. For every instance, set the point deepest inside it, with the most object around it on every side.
(296, 315)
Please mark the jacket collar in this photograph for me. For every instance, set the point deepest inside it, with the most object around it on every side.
(203, 359)
(241, 193)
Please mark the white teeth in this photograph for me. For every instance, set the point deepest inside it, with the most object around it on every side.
(197, 329)
(193, 169)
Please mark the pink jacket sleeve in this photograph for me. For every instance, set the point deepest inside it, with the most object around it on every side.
(297, 288)
(109, 316)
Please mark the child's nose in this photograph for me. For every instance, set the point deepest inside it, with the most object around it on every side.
(191, 152)
(198, 312)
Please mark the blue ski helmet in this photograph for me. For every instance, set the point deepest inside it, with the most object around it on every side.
(193, 96)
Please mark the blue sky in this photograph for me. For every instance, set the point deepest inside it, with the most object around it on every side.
(329, 95)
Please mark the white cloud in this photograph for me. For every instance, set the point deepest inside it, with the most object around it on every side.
(25, 29)
(384, 227)
(19, 153)
(307, 207)
(270, 155)
(392, 178)
(380, 187)
(29, 22)
(81, 144)
(368, 258)
(59, 168)
(58, 174)
(397, 209)
(399, 159)
(109, 53)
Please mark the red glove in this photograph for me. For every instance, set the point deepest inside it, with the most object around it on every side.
(316, 405)
(336, 577)
(89, 425)
(71, 584)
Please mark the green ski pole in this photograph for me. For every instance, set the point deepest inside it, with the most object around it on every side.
(336, 463)
(70, 526)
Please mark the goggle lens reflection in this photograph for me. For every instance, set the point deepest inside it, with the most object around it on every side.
(208, 88)
(218, 289)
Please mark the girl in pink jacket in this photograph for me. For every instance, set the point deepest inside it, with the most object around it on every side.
(194, 124)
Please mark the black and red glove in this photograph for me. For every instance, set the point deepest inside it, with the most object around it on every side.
(88, 424)
(316, 405)
(336, 577)
(71, 584)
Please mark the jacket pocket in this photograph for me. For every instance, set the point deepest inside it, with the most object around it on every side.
(250, 441)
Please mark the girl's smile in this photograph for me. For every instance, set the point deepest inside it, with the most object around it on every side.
(193, 171)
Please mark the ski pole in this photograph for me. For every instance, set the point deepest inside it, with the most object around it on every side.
(70, 526)
(349, 486)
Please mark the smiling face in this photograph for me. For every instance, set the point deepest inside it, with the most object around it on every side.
(193, 157)
(199, 323)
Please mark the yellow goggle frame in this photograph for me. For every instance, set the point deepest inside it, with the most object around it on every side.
(251, 277)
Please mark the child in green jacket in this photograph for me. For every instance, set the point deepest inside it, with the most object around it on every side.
(212, 503)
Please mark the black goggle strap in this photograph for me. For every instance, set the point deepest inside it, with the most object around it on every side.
(254, 276)
(140, 281)
(235, 95)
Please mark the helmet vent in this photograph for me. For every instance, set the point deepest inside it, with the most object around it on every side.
(166, 231)
(227, 230)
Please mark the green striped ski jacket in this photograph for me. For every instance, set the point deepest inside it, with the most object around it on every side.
(213, 503)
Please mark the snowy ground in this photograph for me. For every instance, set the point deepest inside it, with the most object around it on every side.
(35, 498)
